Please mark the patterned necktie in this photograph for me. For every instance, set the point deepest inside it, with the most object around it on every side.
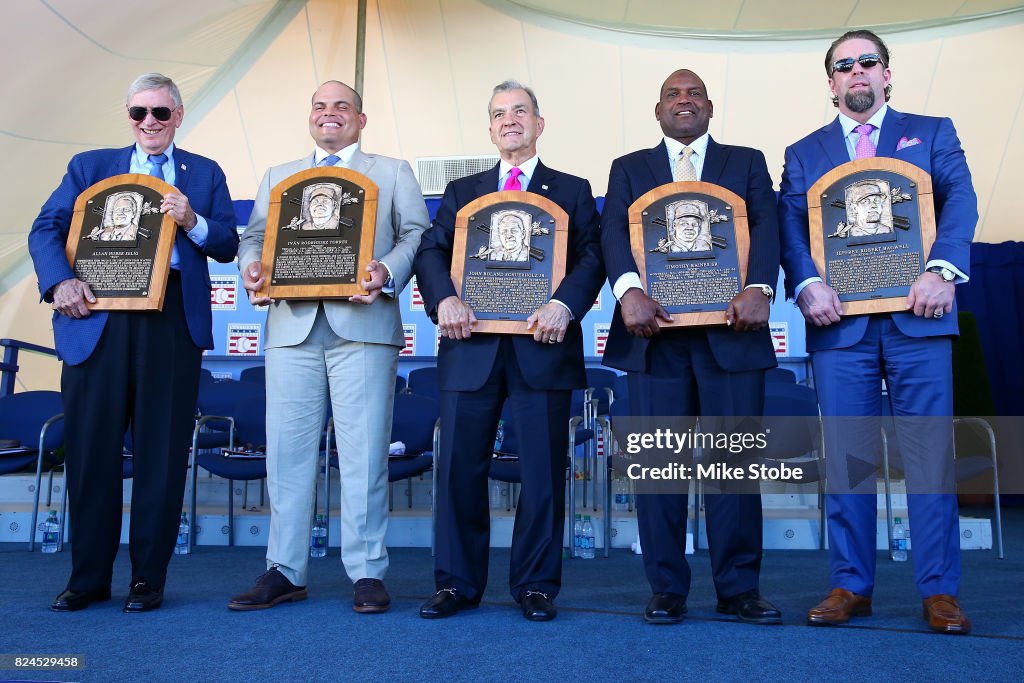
(330, 160)
(513, 180)
(864, 147)
(685, 170)
(156, 165)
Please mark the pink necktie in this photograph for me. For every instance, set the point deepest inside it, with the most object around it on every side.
(864, 148)
(513, 180)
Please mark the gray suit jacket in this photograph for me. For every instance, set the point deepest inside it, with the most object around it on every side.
(401, 219)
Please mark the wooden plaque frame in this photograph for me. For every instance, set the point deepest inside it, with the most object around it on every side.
(153, 298)
(368, 229)
(491, 202)
(918, 179)
(692, 190)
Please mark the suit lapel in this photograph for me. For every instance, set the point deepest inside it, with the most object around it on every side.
(657, 162)
(121, 162)
(893, 126)
(183, 169)
(488, 182)
(361, 163)
(543, 180)
(714, 162)
(834, 144)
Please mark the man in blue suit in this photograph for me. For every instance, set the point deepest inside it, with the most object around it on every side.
(133, 370)
(536, 374)
(910, 350)
(711, 372)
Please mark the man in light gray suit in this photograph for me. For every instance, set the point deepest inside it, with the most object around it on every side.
(337, 350)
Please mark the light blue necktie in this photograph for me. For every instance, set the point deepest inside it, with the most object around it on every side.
(330, 160)
(156, 165)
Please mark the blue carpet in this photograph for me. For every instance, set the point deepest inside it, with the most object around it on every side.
(598, 635)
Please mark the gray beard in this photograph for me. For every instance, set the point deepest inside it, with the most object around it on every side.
(860, 102)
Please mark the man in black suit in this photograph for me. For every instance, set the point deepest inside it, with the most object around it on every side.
(478, 372)
(711, 372)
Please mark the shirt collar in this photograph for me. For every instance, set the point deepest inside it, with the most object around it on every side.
(849, 124)
(346, 154)
(142, 157)
(528, 168)
(699, 146)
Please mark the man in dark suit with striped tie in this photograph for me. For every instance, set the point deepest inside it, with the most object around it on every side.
(133, 370)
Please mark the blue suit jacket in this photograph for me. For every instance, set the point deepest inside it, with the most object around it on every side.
(739, 169)
(465, 365)
(956, 209)
(198, 178)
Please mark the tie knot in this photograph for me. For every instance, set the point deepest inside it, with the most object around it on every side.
(158, 159)
(687, 152)
(865, 129)
(330, 160)
(515, 173)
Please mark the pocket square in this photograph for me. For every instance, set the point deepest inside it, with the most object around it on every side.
(904, 143)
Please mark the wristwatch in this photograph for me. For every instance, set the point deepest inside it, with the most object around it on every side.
(767, 291)
(946, 274)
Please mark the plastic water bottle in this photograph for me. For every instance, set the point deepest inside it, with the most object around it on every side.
(621, 493)
(499, 436)
(899, 542)
(318, 540)
(587, 542)
(181, 546)
(577, 536)
(51, 533)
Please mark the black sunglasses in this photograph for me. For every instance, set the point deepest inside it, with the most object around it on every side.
(846, 65)
(159, 113)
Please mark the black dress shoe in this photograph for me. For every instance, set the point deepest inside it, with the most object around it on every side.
(665, 608)
(370, 597)
(272, 588)
(142, 597)
(751, 608)
(70, 601)
(445, 603)
(537, 606)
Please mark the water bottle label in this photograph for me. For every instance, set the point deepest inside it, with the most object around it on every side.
(621, 498)
(49, 537)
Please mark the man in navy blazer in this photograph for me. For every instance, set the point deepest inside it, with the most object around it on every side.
(911, 350)
(133, 370)
(536, 374)
(711, 372)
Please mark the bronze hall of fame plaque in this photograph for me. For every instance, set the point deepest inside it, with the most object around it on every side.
(872, 224)
(120, 244)
(509, 257)
(690, 241)
(319, 236)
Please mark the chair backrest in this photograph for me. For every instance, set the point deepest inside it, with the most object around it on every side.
(246, 402)
(257, 373)
(413, 422)
(23, 414)
(784, 375)
(400, 384)
(791, 420)
(424, 381)
(600, 379)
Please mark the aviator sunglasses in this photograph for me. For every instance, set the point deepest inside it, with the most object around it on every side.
(159, 113)
(846, 65)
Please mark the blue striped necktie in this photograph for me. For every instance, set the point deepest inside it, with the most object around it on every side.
(156, 165)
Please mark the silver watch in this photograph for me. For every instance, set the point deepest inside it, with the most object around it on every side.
(946, 274)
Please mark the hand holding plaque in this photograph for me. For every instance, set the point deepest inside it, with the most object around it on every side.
(119, 245)
(319, 238)
(508, 258)
(690, 242)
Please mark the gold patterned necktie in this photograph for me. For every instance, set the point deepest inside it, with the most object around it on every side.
(685, 169)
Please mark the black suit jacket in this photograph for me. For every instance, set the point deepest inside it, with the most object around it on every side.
(465, 365)
(740, 169)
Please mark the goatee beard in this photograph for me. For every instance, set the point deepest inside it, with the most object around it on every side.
(860, 101)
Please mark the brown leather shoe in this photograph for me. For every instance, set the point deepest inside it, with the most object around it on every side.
(370, 597)
(272, 588)
(944, 615)
(838, 607)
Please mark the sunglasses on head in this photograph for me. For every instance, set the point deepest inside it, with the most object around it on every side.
(159, 113)
(846, 65)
